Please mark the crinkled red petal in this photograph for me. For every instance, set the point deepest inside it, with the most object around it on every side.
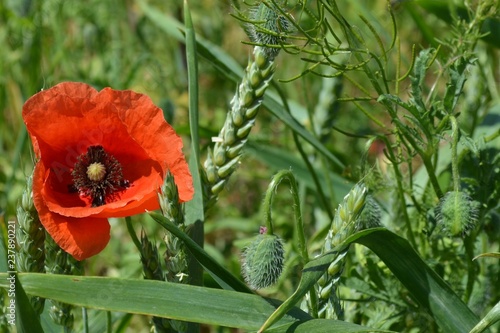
(65, 120)
(80, 237)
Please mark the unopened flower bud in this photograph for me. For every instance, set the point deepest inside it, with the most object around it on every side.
(263, 261)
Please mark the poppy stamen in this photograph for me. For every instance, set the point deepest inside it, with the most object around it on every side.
(98, 175)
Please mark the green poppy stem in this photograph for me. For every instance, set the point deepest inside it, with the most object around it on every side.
(299, 223)
(455, 133)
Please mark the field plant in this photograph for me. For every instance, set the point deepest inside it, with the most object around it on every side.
(327, 166)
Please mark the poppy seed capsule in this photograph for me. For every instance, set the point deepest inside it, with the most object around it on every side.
(98, 175)
(96, 171)
(263, 261)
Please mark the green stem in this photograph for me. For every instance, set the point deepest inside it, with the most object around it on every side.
(85, 320)
(305, 158)
(425, 155)
(492, 136)
(299, 222)
(471, 266)
(455, 132)
(401, 194)
(432, 175)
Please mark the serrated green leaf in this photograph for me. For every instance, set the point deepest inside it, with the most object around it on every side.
(490, 29)
(417, 79)
(455, 86)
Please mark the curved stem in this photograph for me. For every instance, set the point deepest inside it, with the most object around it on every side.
(310, 168)
(299, 223)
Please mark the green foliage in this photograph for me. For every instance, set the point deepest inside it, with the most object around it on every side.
(402, 96)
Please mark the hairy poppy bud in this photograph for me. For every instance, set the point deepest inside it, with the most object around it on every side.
(457, 213)
(263, 261)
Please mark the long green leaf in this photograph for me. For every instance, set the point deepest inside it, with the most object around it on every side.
(426, 287)
(194, 208)
(232, 70)
(154, 298)
(491, 317)
(323, 326)
(25, 316)
(175, 301)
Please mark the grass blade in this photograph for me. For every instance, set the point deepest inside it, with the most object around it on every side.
(154, 298)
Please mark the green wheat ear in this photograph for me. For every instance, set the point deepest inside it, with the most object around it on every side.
(263, 261)
(457, 213)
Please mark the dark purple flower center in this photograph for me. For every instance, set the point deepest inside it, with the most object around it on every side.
(98, 175)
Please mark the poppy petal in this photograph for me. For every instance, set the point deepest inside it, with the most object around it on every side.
(160, 141)
(80, 237)
(68, 122)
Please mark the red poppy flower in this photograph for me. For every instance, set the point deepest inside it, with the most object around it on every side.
(100, 154)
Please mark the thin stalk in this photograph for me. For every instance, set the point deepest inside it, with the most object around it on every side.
(401, 194)
(471, 266)
(85, 320)
(299, 222)
(455, 132)
(425, 155)
(305, 158)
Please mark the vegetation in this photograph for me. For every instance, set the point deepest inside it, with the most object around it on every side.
(350, 172)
